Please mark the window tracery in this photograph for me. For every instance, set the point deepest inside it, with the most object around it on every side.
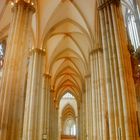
(70, 127)
(131, 14)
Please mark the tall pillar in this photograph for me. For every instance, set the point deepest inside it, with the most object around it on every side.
(52, 111)
(89, 106)
(79, 123)
(34, 103)
(93, 96)
(56, 123)
(120, 91)
(12, 94)
(82, 118)
(46, 116)
(87, 113)
(84, 115)
(99, 103)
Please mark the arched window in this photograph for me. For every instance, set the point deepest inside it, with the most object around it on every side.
(132, 21)
(68, 115)
(70, 127)
(132, 30)
(68, 96)
(73, 130)
(2, 52)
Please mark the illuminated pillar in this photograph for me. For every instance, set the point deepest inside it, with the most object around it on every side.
(99, 103)
(121, 100)
(46, 112)
(13, 86)
(89, 107)
(34, 103)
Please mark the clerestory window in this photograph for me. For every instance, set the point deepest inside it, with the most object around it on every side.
(132, 21)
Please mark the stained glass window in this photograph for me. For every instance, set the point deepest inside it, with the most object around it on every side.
(2, 53)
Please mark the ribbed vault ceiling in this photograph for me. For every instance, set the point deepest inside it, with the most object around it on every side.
(68, 39)
(65, 29)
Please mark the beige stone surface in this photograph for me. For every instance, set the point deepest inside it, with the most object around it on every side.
(66, 46)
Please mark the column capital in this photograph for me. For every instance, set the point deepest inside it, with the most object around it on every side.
(23, 3)
(52, 90)
(88, 76)
(38, 51)
(56, 106)
(47, 75)
(107, 3)
(44, 136)
(96, 49)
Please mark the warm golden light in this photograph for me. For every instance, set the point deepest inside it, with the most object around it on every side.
(12, 3)
(32, 3)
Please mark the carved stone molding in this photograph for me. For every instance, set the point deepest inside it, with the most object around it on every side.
(107, 3)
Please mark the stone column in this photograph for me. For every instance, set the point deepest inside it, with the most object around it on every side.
(79, 123)
(52, 108)
(93, 96)
(76, 118)
(120, 91)
(86, 111)
(34, 103)
(56, 123)
(51, 112)
(46, 116)
(99, 103)
(12, 94)
(84, 115)
(89, 105)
